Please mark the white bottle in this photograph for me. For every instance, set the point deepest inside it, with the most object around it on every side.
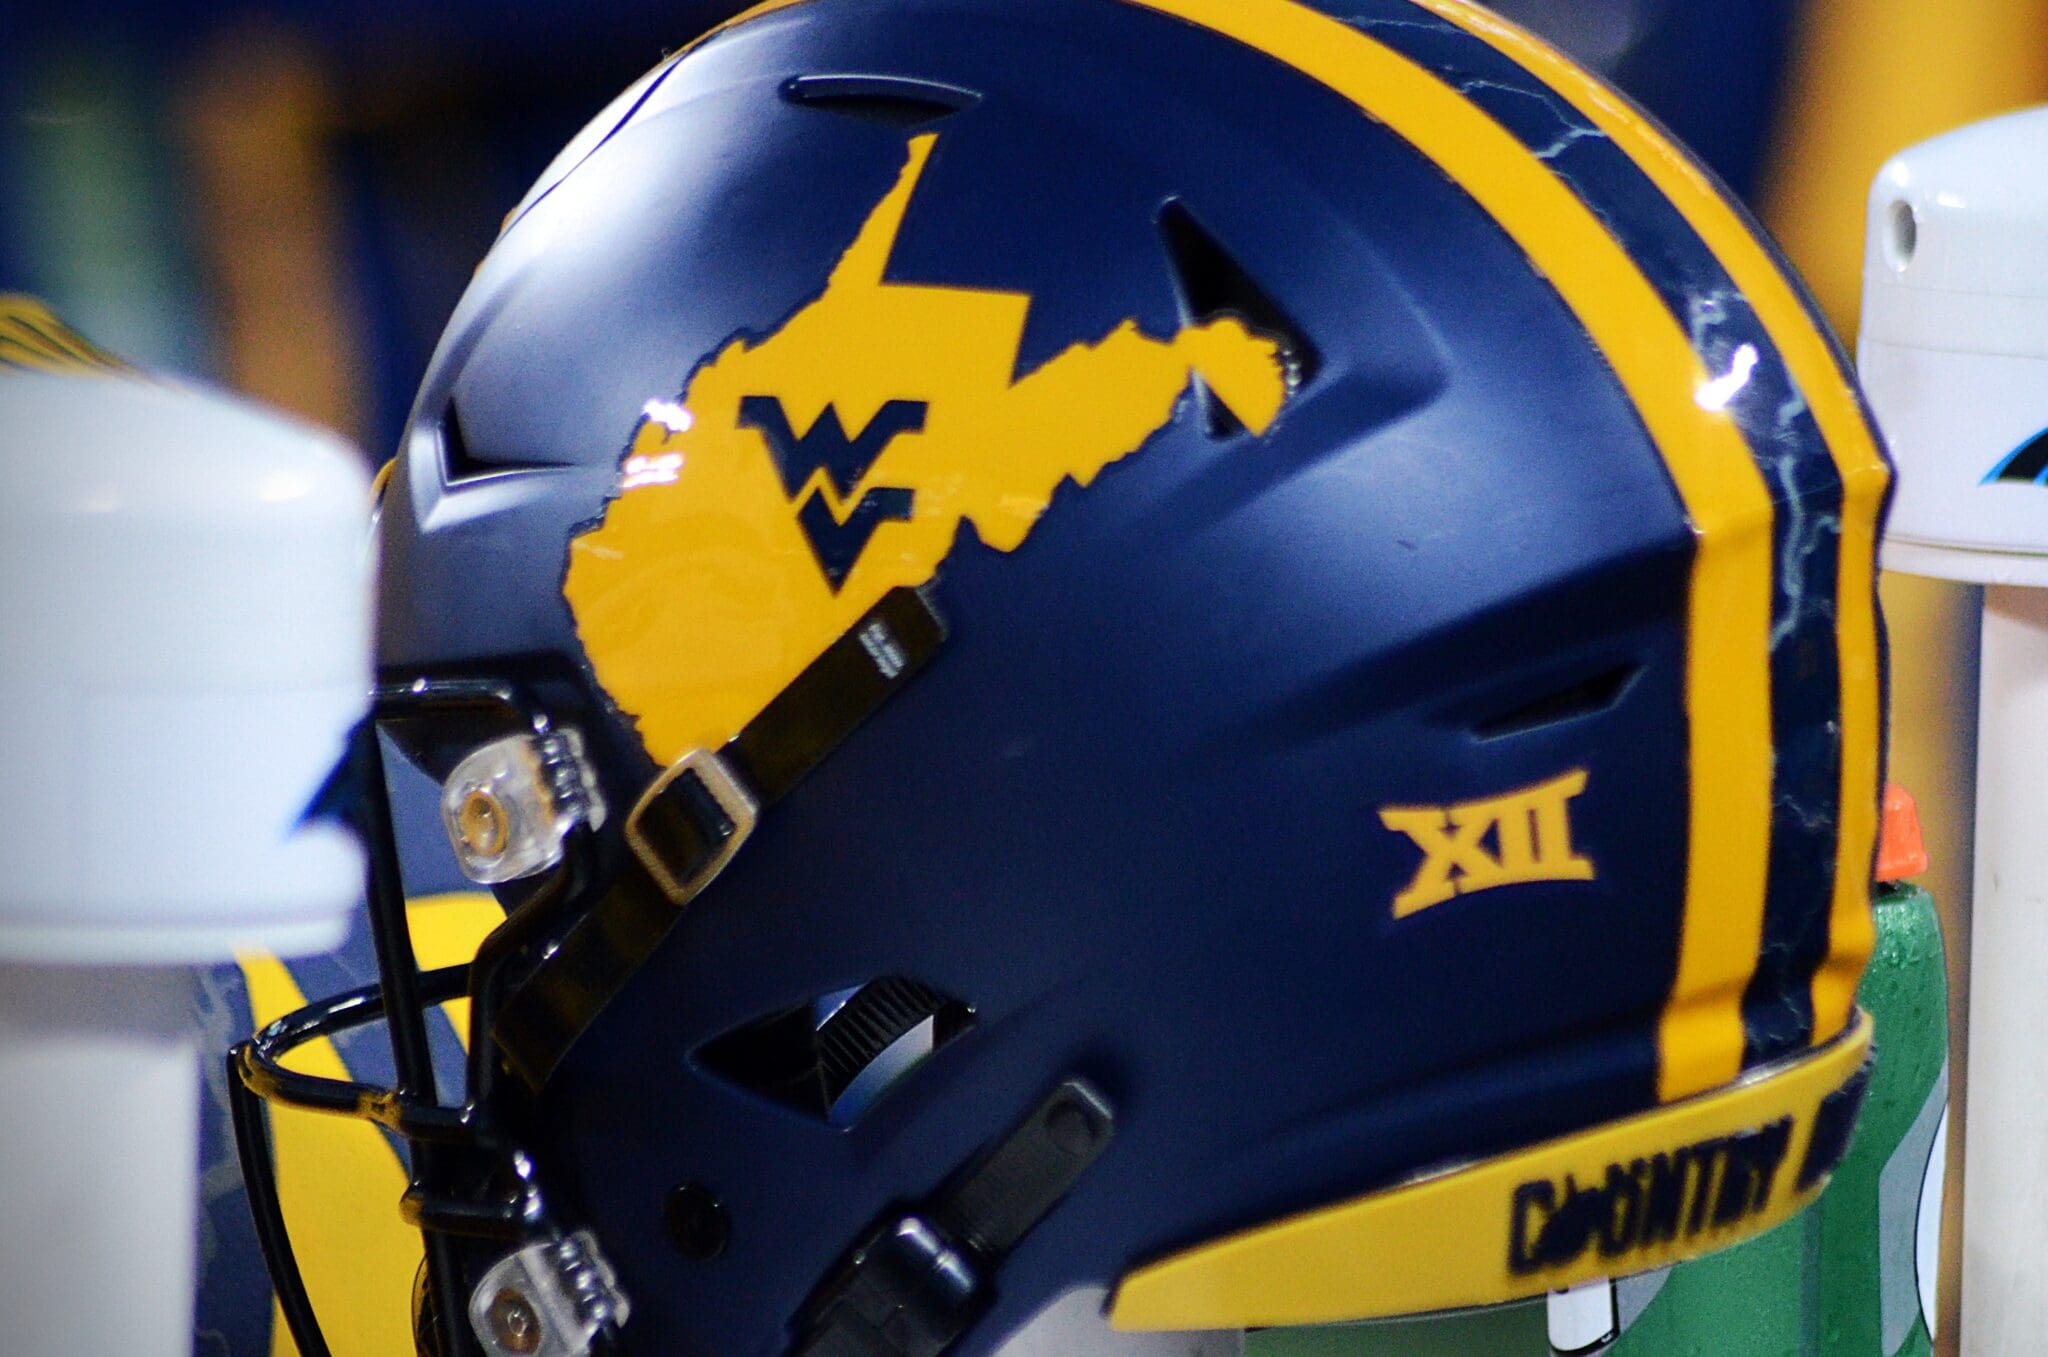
(184, 647)
(1954, 358)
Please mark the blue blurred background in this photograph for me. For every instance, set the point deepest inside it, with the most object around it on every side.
(289, 196)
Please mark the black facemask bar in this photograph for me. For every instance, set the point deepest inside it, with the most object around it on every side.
(541, 977)
(466, 1179)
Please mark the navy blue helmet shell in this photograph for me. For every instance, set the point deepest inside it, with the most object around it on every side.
(1409, 671)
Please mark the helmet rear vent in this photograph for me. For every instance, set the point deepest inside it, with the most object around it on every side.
(1210, 282)
(893, 100)
(1583, 697)
(834, 1057)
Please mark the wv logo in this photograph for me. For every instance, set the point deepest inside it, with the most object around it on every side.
(1531, 833)
(837, 535)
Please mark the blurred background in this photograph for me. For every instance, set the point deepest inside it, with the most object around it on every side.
(288, 197)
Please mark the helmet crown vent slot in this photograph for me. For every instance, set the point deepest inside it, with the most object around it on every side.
(1582, 697)
(458, 463)
(1210, 282)
(461, 462)
(892, 100)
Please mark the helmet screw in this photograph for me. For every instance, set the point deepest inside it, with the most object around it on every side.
(1073, 1128)
(514, 1326)
(697, 1223)
(485, 830)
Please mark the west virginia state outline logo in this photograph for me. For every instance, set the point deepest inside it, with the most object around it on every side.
(801, 476)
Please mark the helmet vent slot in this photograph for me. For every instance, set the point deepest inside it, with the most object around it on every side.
(834, 1057)
(1583, 697)
(1210, 282)
(457, 462)
(460, 462)
(892, 100)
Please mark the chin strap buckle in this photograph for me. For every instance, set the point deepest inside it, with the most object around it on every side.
(690, 822)
(921, 1278)
(549, 1299)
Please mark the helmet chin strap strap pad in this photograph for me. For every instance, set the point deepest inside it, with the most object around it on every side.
(921, 1277)
(693, 819)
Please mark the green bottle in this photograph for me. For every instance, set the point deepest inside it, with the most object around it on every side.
(1851, 1277)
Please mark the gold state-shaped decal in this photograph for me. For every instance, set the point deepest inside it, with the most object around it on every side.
(801, 477)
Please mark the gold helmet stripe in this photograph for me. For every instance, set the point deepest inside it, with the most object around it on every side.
(1728, 686)
(1818, 374)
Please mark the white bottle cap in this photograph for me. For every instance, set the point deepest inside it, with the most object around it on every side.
(1954, 349)
(184, 647)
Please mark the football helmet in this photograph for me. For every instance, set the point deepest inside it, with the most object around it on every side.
(1186, 659)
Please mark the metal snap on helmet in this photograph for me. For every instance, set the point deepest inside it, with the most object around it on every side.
(1186, 660)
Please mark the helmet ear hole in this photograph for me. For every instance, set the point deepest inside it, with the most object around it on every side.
(834, 1057)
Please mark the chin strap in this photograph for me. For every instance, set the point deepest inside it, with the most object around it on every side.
(694, 818)
(921, 1277)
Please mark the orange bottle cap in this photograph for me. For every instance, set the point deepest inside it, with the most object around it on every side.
(1901, 851)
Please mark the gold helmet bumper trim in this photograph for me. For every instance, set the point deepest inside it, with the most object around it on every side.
(1685, 1179)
